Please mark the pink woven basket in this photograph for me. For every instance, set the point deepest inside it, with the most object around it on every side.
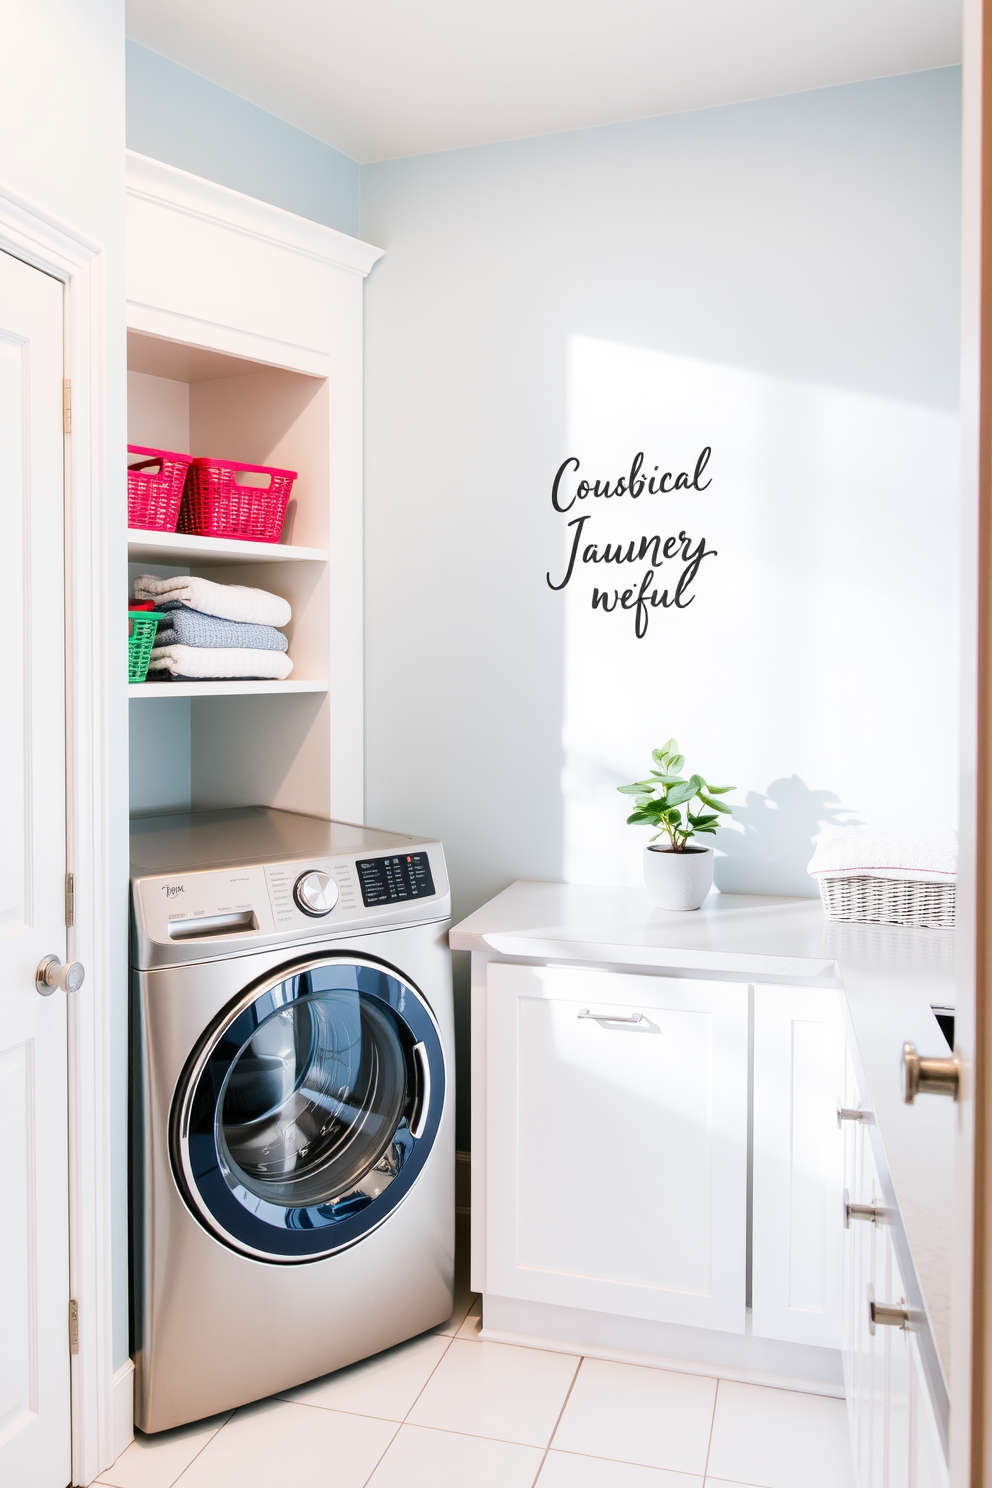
(155, 488)
(222, 500)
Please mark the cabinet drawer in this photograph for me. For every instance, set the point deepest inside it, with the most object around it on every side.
(617, 1143)
(799, 1070)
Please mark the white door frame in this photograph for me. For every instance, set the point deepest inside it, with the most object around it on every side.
(48, 244)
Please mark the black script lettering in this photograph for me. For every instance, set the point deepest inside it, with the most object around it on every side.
(600, 599)
(578, 523)
(694, 559)
(701, 465)
(635, 484)
(554, 489)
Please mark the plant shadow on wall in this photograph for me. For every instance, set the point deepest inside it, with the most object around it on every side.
(771, 842)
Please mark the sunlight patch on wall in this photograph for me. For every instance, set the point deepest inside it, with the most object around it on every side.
(811, 660)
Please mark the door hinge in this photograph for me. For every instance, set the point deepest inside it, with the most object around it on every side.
(66, 406)
(70, 899)
(73, 1326)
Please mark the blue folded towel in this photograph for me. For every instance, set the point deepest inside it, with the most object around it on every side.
(183, 627)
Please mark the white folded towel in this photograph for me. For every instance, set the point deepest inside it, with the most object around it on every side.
(852, 852)
(226, 601)
(216, 661)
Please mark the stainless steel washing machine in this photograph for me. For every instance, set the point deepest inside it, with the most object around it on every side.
(292, 1109)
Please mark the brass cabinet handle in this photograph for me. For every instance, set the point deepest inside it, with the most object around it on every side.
(922, 1076)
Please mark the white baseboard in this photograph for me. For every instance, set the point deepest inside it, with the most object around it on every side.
(784, 1366)
(122, 1407)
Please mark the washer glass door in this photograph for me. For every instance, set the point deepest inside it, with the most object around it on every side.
(309, 1109)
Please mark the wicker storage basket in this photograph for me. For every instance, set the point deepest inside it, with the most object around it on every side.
(888, 901)
(222, 500)
(155, 488)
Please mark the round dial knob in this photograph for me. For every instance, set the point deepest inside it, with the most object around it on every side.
(316, 892)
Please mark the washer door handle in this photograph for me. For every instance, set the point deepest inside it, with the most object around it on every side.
(424, 1089)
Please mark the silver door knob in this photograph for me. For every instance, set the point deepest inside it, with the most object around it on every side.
(51, 974)
(928, 1076)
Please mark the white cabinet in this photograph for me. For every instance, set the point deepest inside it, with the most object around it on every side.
(617, 1143)
(894, 1434)
(799, 1059)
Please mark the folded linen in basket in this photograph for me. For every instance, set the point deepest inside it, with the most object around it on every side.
(224, 601)
(217, 662)
(191, 628)
(879, 852)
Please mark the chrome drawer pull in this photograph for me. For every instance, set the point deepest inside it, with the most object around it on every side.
(884, 1315)
(874, 1213)
(627, 1018)
(849, 1113)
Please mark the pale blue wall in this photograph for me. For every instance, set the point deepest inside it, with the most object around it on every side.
(778, 279)
(179, 117)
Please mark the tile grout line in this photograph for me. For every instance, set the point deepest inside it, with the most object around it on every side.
(212, 1437)
(568, 1396)
(400, 1424)
(709, 1443)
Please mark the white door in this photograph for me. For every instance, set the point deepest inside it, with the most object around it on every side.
(617, 1143)
(797, 1215)
(34, 1256)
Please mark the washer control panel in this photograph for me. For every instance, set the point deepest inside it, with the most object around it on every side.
(211, 911)
(316, 893)
(393, 879)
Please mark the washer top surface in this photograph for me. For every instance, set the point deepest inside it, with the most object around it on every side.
(209, 884)
(183, 842)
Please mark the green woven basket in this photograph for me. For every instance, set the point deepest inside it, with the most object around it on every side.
(140, 640)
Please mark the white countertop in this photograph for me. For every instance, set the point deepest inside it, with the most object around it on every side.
(891, 977)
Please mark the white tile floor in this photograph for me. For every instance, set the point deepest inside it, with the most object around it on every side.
(449, 1410)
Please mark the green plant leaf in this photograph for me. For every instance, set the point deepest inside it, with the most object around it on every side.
(676, 761)
(672, 780)
(720, 790)
(677, 794)
(631, 790)
(716, 805)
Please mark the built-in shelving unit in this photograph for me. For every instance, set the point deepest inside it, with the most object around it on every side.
(245, 343)
(184, 549)
(234, 688)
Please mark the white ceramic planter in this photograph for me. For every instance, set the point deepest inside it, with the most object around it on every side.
(678, 880)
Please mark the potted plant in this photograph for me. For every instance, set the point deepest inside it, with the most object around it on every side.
(678, 874)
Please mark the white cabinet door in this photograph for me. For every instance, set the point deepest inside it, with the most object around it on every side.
(34, 1264)
(617, 1143)
(928, 1465)
(798, 1184)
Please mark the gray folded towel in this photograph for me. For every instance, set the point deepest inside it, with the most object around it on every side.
(182, 627)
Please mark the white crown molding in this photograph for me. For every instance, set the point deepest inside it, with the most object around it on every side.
(166, 186)
(41, 239)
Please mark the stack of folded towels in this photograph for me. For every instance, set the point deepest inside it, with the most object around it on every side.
(213, 631)
(926, 856)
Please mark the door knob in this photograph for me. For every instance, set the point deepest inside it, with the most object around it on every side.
(51, 974)
(923, 1076)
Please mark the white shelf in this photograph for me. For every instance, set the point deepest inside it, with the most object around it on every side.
(233, 688)
(185, 549)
